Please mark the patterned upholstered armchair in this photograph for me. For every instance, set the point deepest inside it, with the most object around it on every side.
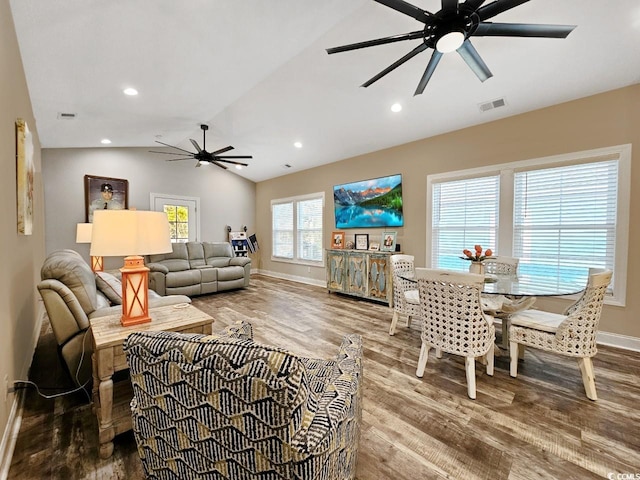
(225, 407)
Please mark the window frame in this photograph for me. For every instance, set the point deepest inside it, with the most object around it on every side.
(507, 171)
(295, 201)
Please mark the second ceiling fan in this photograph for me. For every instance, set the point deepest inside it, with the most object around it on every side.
(450, 29)
(202, 156)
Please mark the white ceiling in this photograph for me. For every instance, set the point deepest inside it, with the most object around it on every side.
(257, 72)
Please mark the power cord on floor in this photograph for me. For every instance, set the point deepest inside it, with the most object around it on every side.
(18, 384)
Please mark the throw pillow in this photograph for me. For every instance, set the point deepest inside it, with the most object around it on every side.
(110, 286)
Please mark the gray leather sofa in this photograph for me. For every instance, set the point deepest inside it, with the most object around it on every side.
(198, 268)
(71, 297)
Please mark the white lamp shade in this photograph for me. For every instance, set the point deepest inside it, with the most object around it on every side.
(117, 233)
(83, 233)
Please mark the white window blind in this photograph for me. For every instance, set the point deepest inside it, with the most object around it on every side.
(282, 228)
(565, 220)
(297, 228)
(310, 229)
(464, 214)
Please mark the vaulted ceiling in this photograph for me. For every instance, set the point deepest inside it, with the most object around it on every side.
(257, 72)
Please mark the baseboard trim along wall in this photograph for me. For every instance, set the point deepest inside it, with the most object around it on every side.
(604, 338)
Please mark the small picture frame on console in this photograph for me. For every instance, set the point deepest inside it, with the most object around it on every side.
(362, 241)
(337, 240)
(388, 242)
(374, 246)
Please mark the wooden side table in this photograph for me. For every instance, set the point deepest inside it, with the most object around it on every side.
(112, 405)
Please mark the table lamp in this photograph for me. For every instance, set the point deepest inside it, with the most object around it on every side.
(131, 233)
(83, 235)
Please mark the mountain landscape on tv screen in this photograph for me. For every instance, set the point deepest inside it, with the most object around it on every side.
(370, 203)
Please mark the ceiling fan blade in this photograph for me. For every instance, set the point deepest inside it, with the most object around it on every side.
(378, 41)
(222, 150)
(499, 6)
(426, 76)
(449, 7)
(232, 156)
(490, 29)
(166, 153)
(177, 148)
(472, 5)
(195, 144)
(220, 165)
(176, 159)
(420, 48)
(475, 62)
(232, 162)
(408, 9)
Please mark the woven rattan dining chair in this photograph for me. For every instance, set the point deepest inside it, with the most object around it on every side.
(572, 334)
(500, 265)
(405, 293)
(453, 320)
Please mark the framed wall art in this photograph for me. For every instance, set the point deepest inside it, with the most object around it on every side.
(362, 241)
(337, 240)
(388, 242)
(104, 193)
(24, 177)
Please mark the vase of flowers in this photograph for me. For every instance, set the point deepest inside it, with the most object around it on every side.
(476, 258)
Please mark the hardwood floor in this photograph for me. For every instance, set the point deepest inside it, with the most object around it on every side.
(537, 426)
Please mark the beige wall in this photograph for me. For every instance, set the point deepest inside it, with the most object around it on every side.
(611, 118)
(20, 256)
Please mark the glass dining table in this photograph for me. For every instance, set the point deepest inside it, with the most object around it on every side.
(509, 294)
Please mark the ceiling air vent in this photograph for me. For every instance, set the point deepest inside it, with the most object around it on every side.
(66, 116)
(485, 107)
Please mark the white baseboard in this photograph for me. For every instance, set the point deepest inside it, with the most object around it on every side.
(619, 341)
(604, 338)
(293, 278)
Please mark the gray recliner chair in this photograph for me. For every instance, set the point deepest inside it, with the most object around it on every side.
(71, 297)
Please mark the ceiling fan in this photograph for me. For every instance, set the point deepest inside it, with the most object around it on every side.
(450, 30)
(202, 156)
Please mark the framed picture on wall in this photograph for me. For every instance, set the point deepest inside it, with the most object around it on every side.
(104, 193)
(362, 241)
(337, 240)
(388, 242)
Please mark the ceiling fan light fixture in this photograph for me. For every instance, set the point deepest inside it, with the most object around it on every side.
(450, 42)
(203, 162)
(239, 167)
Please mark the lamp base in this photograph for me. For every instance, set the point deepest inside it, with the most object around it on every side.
(135, 292)
(97, 264)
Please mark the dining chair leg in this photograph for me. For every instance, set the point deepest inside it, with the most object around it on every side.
(505, 332)
(489, 357)
(513, 353)
(422, 361)
(438, 353)
(470, 367)
(408, 321)
(588, 377)
(394, 321)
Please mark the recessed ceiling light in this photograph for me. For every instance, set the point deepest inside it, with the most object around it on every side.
(396, 107)
(239, 167)
(130, 91)
(105, 141)
(298, 144)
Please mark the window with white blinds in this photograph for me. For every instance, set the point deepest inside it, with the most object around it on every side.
(297, 228)
(564, 220)
(464, 214)
(561, 216)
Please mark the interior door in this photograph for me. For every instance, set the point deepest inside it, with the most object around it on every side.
(183, 213)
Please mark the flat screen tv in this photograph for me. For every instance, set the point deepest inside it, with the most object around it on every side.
(369, 203)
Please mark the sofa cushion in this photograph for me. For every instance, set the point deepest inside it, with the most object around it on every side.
(176, 261)
(196, 254)
(69, 268)
(182, 279)
(217, 254)
(110, 286)
(230, 273)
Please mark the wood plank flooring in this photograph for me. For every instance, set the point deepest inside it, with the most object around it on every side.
(538, 426)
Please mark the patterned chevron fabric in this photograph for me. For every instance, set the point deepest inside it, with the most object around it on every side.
(224, 407)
